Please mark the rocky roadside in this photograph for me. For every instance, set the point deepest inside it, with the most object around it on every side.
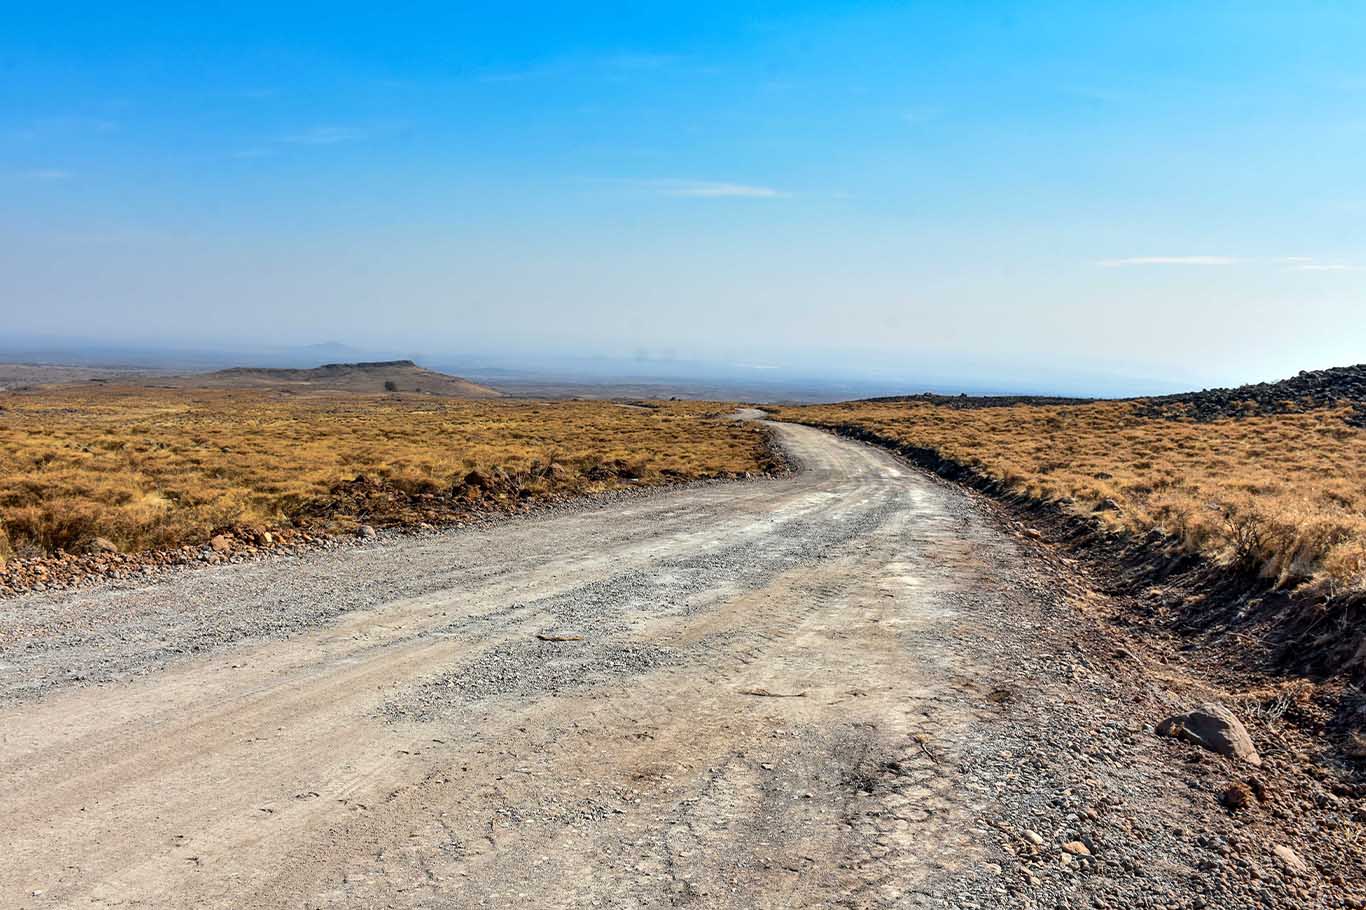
(1136, 786)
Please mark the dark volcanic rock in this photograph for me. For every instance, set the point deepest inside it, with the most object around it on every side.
(1341, 387)
(973, 402)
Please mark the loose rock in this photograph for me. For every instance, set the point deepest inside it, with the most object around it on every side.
(1290, 858)
(1213, 727)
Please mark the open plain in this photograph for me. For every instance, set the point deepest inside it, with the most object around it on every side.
(92, 472)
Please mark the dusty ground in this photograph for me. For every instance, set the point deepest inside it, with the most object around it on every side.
(578, 710)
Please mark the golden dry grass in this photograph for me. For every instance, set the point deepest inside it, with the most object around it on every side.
(1285, 494)
(158, 468)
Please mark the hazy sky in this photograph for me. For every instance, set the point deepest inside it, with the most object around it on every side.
(1156, 189)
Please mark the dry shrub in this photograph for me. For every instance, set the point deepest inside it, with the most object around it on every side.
(156, 468)
(1270, 704)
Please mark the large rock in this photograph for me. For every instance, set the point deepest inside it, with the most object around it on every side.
(101, 545)
(1213, 727)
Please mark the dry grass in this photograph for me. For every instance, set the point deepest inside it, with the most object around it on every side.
(1284, 495)
(159, 468)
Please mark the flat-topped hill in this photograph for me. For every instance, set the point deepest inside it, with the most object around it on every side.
(368, 377)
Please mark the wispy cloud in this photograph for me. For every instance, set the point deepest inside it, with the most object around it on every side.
(1291, 263)
(639, 61)
(706, 189)
(610, 65)
(46, 174)
(1313, 264)
(918, 115)
(317, 136)
(521, 75)
(48, 128)
(1168, 260)
(327, 135)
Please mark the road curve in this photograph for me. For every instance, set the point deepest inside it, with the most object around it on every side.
(739, 695)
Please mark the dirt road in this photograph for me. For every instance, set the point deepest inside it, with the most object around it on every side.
(844, 688)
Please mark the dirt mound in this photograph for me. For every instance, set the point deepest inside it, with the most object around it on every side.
(1310, 390)
(371, 377)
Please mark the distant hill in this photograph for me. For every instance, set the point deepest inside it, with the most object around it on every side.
(373, 377)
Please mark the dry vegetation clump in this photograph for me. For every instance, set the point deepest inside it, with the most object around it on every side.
(148, 469)
(1280, 494)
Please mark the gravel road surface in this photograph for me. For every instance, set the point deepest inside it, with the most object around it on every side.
(847, 688)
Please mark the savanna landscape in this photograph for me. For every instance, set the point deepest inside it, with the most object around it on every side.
(1191, 542)
(683, 456)
(93, 469)
(1282, 495)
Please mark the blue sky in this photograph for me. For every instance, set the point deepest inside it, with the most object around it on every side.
(1146, 189)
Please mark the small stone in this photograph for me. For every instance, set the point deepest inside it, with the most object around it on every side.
(1033, 837)
(365, 531)
(1290, 859)
(221, 543)
(1076, 848)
